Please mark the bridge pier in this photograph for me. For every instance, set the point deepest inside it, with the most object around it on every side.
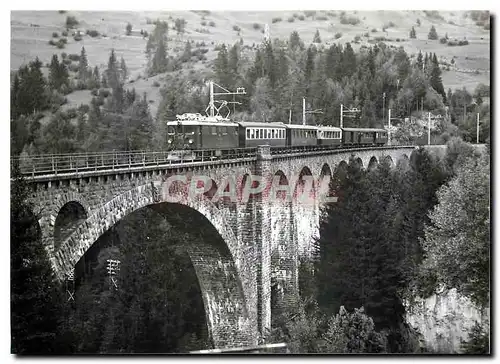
(262, 223)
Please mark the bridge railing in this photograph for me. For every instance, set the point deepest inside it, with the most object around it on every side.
(80, 162)
(54, 164)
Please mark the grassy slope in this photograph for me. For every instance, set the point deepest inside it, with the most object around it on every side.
(28, 41)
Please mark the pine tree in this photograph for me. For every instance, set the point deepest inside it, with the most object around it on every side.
(295, 41)
(54, 80)
(128, 29)
(35, 87)
(348, 60)
(14, 98)
(433, 33)
(124, 71)
(35, 294)
(96, 77)
(112, 74)
(420, 62)
(413, 33)
(221, 67)
(435, 78)
(83, 65)
(160, 62)
(234, 64)
(317, 38)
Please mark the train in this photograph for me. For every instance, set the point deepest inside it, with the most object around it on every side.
(215, 134)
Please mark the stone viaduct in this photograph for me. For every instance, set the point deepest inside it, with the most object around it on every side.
(262, 238)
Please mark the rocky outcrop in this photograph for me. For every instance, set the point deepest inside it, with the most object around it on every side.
(444, 320)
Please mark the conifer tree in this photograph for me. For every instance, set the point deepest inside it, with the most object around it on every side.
(221, 67)
(317, 38)
(433, 33)
(112, 74)
(413, 33)
(35, 293)
(124, 70)
(83, 65)
(435, 78)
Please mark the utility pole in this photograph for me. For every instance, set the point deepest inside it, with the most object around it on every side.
(211, 108)
(341, 115)
(429, 130)
(383, 106)
(477, 130)
(303, 111)
(211, 105)
(389, 129)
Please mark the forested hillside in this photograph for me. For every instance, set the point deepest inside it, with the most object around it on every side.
(276, 74)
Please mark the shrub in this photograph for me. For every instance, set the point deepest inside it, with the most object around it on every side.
(310, 13)
(74, 57)
(64, 33)
(463, 42)
(389, 25)
(374, 30)
(295, 15)
(338, 35)
(366, 35)
(62, 11)
(443, 41)
(85, 108)
(236, 28)
(71, 113)
(212, 23)
(352, 20)
(103, 92)
(77, 37)
(93, 33)
(55, 35)
(94, 92)
(71, 22)
(321, 18)
(301, 17)
(276, 20)
(291, 19)
(73, 67)
(60, 44)
(128, 29)
(204, 23)
(52, 43)
(357, 39)
(156, 84)
(256, 26)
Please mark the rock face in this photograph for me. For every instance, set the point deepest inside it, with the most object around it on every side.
(444, 320)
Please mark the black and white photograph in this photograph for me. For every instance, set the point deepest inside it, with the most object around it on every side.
(210, 182)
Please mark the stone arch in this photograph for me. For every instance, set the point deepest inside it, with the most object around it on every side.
(403, 161)
(70, 216)
(48, 216)
(301, 184)
(373, 163)
(359, 161)
(222, 291)
(220, 258)
(388, 159)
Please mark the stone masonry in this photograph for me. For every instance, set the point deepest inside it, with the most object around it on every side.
(261, 239)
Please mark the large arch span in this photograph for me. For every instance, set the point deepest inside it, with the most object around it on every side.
(223, 293)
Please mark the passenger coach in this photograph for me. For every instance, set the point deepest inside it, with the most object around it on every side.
(253, 134)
